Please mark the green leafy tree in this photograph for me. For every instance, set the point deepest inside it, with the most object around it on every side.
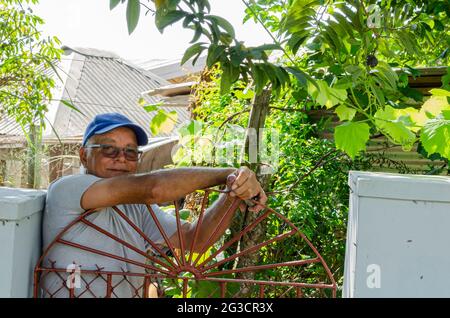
(361, 54)
(25, 83)
(352, 58)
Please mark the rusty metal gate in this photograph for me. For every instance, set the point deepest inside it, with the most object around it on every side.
(170, 272)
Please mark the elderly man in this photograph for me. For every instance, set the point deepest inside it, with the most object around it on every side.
(110, 156)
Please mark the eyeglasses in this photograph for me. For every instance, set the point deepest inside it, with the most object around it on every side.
(110, 151)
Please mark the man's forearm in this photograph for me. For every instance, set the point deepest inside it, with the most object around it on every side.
(173, 184)
(214, 223)
(216, 220)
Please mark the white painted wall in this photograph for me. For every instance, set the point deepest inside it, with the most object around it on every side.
(398, 236)
(20, 239)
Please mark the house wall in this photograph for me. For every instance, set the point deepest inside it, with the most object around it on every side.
(14, 166)
(61, 160)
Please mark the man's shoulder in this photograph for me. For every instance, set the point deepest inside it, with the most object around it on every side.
(72, 180)
(67, 191)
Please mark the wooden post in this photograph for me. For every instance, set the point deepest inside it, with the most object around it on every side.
(55, 166)
(31, 158)
(258, 114)
(2, 172)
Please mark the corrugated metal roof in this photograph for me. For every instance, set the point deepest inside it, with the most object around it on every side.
(100, 82)
(170, 69)
(9, 126)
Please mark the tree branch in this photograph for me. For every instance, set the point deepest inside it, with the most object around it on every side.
(318, 164)
(232, 117)
(288, 109)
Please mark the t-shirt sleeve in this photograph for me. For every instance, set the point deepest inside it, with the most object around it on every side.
(63, 203)
(66, 192)
(167, 221)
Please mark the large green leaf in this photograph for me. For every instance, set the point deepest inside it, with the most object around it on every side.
(352, 137)
(113, 4)
(133, 12)
(325, 95)
(195, 49)
(295, 41)
(198, 33)
(282, 75)
(440, 92)
(300, 13)
(394, 126)
(435, 136)
(301, 76)
(430, 109)
(387, 75)
(151, 108)
(163, 122)
(224, 24)
(192, 128)
(237, 56)
(378, 92)
(230, 74)
(268, 47)
(408, 42)
(355, 71)
(260, 77)
(345, 113)
(344, 23)
(214, 53)
(163, 19)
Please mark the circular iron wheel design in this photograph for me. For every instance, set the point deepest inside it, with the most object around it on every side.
(215, 272)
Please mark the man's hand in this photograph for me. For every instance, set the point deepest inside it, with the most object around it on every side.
(245, 186)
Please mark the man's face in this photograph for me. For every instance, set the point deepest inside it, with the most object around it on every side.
(101, 166)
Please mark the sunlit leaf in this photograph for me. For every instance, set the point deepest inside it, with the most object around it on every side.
(193, 128)
(440, 92)
(352, 137)
(325, 95)
(163, 122)
(248, 94)
(435, 136)
(345, 113)
(391, 124)
(430, 109)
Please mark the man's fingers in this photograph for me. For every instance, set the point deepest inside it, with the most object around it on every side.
(245, 193)
(244, 183)
(243, 175)
(230, 180)
(262, 197)
(246, 186)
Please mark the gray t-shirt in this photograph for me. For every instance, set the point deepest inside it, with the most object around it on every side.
(63, 207)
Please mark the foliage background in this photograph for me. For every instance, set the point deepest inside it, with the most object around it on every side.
(352, 58)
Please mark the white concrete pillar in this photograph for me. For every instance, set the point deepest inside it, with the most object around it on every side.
(20, 239)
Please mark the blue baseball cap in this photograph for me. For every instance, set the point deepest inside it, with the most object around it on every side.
(103, 123)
